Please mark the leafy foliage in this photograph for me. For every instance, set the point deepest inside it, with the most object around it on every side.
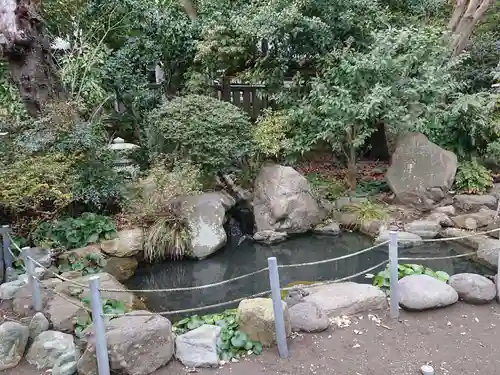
(270, 134)
(109, 306)
(232, 342)
(366, 212)
(473, 178)
(72, 233)
(399, 82)
(383, 278)
(328, 188)
(88, 265)
(212, 134)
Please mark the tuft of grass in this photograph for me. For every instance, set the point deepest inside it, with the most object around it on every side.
(366, 212)
(168, 238)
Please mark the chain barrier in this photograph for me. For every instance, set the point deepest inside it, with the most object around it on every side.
(296, 265)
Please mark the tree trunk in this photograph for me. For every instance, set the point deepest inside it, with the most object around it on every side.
(466, 15)
(27, 51)
(352, 171)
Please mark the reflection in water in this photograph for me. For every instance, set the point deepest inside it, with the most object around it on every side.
(236, 260)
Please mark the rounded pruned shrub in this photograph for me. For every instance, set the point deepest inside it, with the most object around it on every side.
(213, 134)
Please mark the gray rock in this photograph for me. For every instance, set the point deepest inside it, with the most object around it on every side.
(422, 292)
(42, 256)
(308, 317)
(295, 296)
(440, 218)
(330, 228)
(128, 243)
(448, 210)
(137, 345)
(417, 166)
(284, 201)
(10, 274)
(423, 228)
(270, 237)
(472, 221)
(198, 348)
(13, 341)
(63, 314)
(39, 323)
(66, 364)
(473, 288)
(206, 215)
(50, 348)
(9, 290)
(346, 298)
(405, 239)
(468, 202)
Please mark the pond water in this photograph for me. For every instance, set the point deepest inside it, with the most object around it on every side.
(235, 260)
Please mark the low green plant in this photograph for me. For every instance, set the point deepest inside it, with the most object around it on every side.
(109, 307)
(327, 187)
(366, 211)
(89, 264)
(383, 278)
(473, 178)
(232, 342)
(371, 187)
(72, 233)
(168, 237)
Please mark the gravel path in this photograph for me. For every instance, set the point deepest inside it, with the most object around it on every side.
(457, 340)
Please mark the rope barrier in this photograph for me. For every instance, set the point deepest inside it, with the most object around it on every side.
(475, 234)
(334, 259)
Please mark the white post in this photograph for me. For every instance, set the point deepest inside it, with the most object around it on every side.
(279, 320)
(36, 297)
(393, 268)
(497, 280)
(101, 346)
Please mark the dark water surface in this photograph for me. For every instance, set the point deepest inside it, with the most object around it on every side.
(234, 260)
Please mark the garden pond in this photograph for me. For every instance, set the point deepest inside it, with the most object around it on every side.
(238, 259)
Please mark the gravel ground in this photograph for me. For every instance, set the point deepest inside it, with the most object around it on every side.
(457, 340)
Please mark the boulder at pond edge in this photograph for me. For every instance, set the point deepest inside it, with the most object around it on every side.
(422, 292)
(473, 288)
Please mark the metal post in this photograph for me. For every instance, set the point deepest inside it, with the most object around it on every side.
(2, 262)
(279, 320)
(393, 268)
(7, 258)
(36, 296)
(497, 278)
(101, 347)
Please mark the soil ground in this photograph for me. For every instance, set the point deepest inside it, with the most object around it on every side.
(457, 340)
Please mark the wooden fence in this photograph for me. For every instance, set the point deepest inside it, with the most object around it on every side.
(252, 98)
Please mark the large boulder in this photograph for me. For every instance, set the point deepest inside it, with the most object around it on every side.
(13, 341)
(256, 317)
(53, 350)
(206, 215)
(128, 242)
(422, 292)
(198, 348)
(138, 344)
(348, 298)
(284, 201)
(308, 317)
(472, 202)
(473, 288)
(418, 169)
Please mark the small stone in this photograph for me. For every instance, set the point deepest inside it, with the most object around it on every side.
(331, 228)
(39, 323)
(13, 341)
(308, 317)
(405, 239)
(270, 237)
(422, 292)
(423, 228)
(473, 288)
(198, 348)
(8, 290)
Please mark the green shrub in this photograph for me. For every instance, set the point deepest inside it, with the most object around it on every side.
(109, 306)
(328, 188)
(473, 178)
(88, 265)
(270, 134)
(72, 233)
(35, 188)
(232, 343)
(211, 133)
(383, 278)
